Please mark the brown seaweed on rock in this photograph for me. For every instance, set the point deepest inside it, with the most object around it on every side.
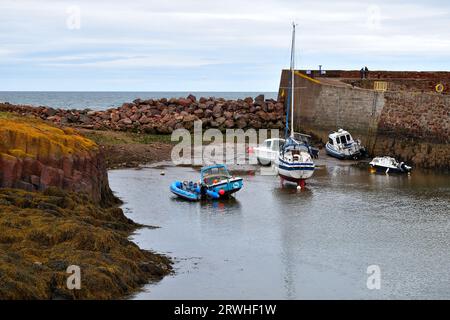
(41, 234)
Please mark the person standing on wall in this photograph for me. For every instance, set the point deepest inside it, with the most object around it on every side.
(366, 72)
(362, 73)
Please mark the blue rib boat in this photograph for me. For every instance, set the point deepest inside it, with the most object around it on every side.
(192, 191)
(215, 182)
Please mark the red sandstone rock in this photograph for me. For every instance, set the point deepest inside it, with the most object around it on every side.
(184, 102)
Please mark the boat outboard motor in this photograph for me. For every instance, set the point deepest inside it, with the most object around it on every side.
(203, 189)
(405, 167)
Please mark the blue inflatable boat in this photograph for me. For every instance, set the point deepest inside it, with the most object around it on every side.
(215, 183)
(192, 191)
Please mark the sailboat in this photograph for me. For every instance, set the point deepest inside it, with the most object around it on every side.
(294, 163)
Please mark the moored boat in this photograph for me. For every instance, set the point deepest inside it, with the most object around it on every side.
(192, 191)
(294, 163)
(218, 179)
(267, 152)
(341, 145)
(215, 183)
(389, 165)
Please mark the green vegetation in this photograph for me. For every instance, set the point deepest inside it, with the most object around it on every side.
(119, 137)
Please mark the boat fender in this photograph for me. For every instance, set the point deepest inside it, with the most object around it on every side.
(212, 194)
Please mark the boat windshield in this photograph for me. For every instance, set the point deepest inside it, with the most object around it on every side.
(292, 144)
(302, 138)
(349, 138)
(215, 174)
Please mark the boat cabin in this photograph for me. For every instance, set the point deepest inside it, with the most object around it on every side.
(214, 174)
(341, 137)
(302, 138)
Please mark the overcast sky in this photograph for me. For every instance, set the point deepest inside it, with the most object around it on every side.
(199, 45)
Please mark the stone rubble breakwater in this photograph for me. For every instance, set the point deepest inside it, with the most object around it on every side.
(162, 116)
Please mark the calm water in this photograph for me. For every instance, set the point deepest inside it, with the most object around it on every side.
(105, 100)
(277, 243)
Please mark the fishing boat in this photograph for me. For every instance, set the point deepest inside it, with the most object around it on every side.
(389, 165)
(294, 162)
(216, 182)
(341, 145)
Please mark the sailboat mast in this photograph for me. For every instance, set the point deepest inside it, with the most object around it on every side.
(292, 78)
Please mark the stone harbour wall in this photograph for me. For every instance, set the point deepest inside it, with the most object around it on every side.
(412, 126)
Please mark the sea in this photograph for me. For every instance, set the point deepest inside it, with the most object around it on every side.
(105, 100)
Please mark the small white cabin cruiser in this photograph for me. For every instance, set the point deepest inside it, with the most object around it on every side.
(389, 165)
(268, 151)
(341, 145)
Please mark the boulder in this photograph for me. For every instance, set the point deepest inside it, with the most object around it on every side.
(184, 102)
(241, 123)
(228, 114)
(229, 123)
(192, 98)
(199, 113)
(248, 100)
(126, 121)
(217, 110)
(220, 120)
(144, 120)
(263, 115)
(115, 117)
(259, 98)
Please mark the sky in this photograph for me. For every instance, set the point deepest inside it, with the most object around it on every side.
(200, 45)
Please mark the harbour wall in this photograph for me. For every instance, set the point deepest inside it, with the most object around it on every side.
(412, 126)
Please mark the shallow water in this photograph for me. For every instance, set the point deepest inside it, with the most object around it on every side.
(271, 242)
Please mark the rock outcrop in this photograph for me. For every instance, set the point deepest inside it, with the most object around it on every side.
(35, 156)
(43, 233)
(165, 115)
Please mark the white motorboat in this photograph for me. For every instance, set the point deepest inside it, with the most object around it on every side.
(341, 145)
(267, 152)
(389, 165)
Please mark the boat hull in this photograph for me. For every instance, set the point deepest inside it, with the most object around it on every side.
(295, 171)
(177, 189)
(341, 155)
(228, 186)
(383, 169)
(193, 194)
